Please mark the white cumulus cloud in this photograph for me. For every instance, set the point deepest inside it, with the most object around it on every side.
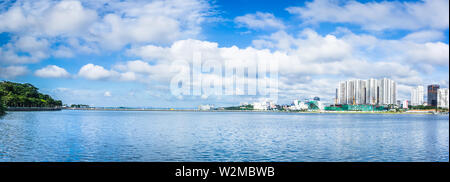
(378, 16)
(81, 26)
(95, 72)
(52, 71)
(259, 20)
(424, 36)
(12, 71)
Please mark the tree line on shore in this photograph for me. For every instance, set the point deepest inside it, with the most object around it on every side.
(24, 95)
(2, 106)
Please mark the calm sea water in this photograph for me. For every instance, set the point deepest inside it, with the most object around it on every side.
(207, 136)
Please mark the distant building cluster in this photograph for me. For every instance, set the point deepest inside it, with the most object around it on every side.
(436, 96)
(298, 105)
(311, 104)
(374, 95)
(367, 92)
(264, 105)
(383, 92)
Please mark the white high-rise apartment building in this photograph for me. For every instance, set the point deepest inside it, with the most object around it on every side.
(360, 92)
(387, 93)
(372, 91)
(417, 94)
(341, 93)
(442, 97)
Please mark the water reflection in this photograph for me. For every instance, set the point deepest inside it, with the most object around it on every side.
(193, 136)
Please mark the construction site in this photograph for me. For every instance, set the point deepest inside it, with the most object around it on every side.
(355, 107)
(347, 107)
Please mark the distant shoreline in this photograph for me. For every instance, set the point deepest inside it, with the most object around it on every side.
(33, 109)
(24, 109)
(257, 111)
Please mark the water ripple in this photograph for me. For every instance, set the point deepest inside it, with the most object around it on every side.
(193, 136)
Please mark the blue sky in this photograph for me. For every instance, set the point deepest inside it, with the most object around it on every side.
(119, 53)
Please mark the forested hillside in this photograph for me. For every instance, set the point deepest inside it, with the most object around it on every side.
(24, 95)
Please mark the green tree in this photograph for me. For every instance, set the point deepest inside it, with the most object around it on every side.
(2, 106)
(25, 95)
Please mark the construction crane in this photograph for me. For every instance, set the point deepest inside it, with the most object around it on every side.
(373, 102)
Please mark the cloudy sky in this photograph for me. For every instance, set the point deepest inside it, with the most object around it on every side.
(119, 53)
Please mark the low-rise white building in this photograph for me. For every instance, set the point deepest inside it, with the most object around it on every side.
(264, 105)
(299, 105)
(260, 106)
(321, 105)
(405, 104)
